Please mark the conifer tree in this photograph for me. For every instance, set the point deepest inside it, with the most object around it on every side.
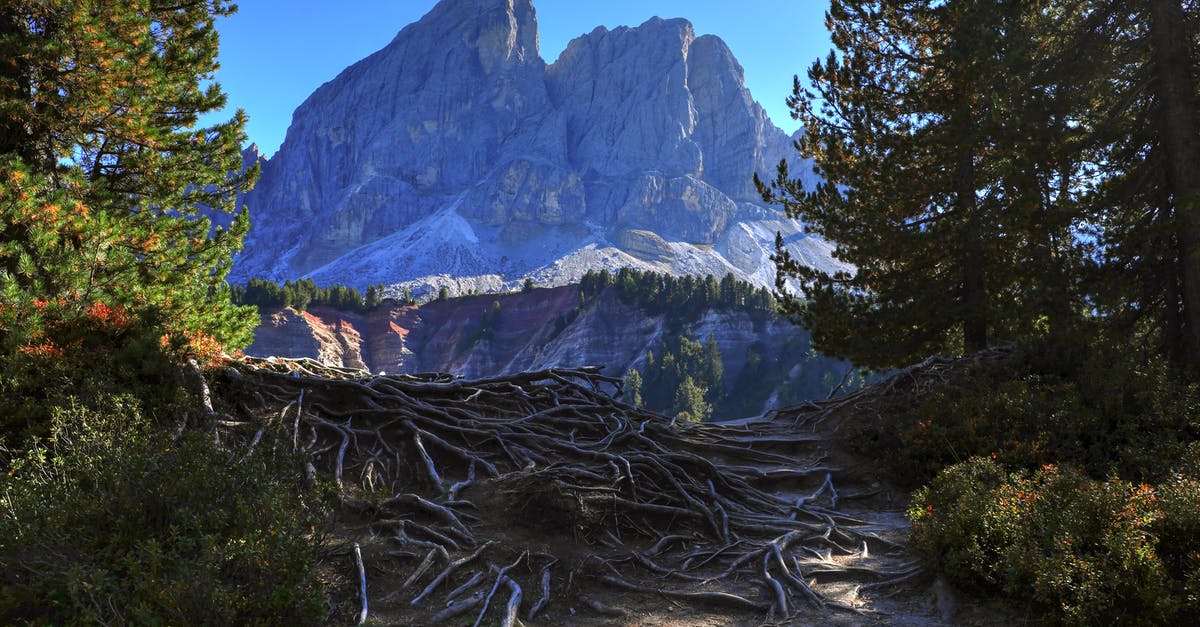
(898, 168)
(106, 176)
(373, 297)
(948, 181)
(632, 392)
(1173, 41)
(1130, 66)
(690, 405)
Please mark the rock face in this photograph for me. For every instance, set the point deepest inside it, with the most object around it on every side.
(474, 337)
(456, 150)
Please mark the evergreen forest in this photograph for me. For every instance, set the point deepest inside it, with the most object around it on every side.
(302, 294)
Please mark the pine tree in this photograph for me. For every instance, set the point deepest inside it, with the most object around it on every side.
(896, 143)
(712, 367)
(950, 181)
(689, 404)
(1179, 131)
(1130, 66)
(632, 392)
(107, 179)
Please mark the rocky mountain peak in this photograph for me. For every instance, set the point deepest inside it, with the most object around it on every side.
(504, 32)
(251, 155)
(456, 157)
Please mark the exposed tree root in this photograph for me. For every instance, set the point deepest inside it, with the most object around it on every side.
(908, 383)
(362, 578)
(629, 499)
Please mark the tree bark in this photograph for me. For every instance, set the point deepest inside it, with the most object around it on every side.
(974, 296)
(1172, 321)
(14, 85)
(1177, 116)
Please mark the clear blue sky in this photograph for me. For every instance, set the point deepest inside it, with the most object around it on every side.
(274, 53)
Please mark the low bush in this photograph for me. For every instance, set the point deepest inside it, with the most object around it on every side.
(108, 520)
(1178, 531)
(1081, 550)
(1104, 414)
(86, 360)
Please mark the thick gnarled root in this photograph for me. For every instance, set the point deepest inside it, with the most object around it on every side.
(631, 500)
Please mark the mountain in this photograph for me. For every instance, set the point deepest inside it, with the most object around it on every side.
(455, 156)
(766, 361)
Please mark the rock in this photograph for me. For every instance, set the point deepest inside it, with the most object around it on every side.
(286, 333)
(645, 245)
(524, 191)
(682, 209)
(455, 150)
(946, 599)
(332, 340)
(625, 99)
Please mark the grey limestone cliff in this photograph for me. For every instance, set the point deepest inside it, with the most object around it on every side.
(456, 156)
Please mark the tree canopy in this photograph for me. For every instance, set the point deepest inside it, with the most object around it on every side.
(999, 171)
(305, 293)
(108, 178)
(112, 277)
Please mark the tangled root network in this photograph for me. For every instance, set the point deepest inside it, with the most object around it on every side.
(499, 499)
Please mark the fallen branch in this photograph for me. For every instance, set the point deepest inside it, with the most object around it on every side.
(514, 603)
(423, 566)
(455, 610)
(500, 578)
(542, 600)
(470, 583)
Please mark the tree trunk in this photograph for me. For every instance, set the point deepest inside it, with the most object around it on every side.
(1177, 116)
(1172, 321)
(974, 297)
(26, 135)
(14, 86)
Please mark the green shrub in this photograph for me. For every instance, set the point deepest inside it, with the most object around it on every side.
(1105, 414)
(108, 520)
(103, 354)
(949, 526)
(1085, 551)
(1178, 530)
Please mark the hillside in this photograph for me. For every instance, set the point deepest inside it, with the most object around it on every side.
(766, 361)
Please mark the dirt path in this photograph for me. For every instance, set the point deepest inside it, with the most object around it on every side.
(541, 494)
(853, 494)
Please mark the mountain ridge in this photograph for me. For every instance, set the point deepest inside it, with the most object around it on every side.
(457, 157)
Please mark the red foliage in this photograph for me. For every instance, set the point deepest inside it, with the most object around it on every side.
(110, 318)
(191, 344)
(47, 349)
